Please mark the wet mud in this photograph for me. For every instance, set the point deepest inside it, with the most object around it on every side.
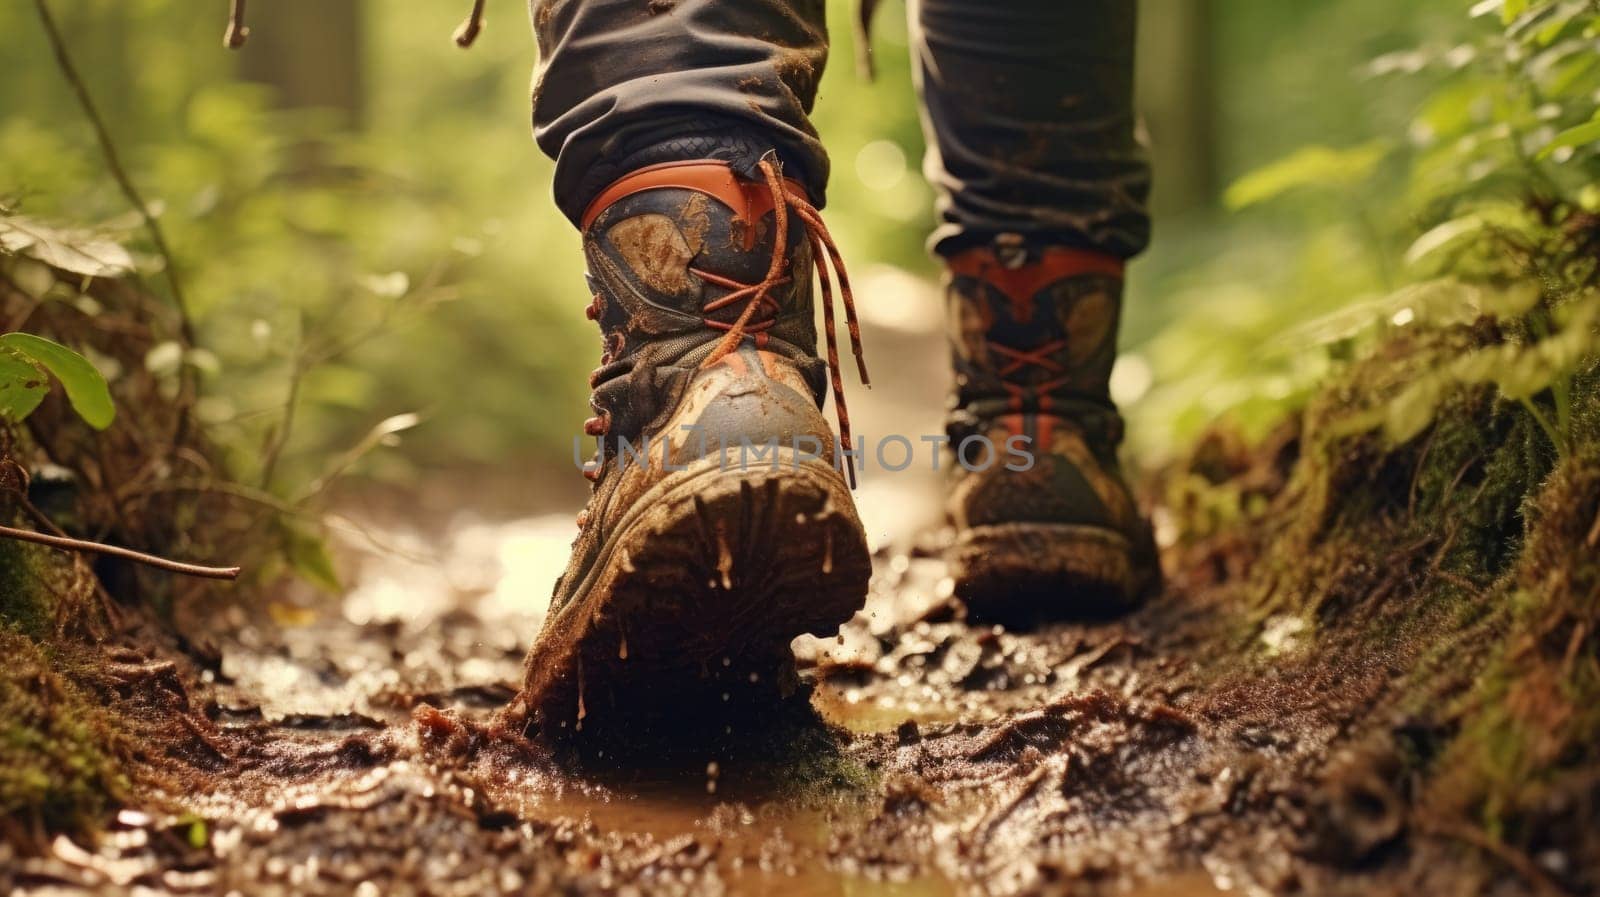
(351, 746)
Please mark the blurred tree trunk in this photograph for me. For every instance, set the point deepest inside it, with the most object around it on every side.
(310, 52)
(1178, 102)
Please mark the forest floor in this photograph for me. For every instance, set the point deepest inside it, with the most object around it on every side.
(923, 756)
(924, 753)
(343, 744)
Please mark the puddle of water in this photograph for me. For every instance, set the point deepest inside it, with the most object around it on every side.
(1193, 884)
(764, 848)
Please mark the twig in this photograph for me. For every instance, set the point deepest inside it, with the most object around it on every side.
(71, 544)
(1518, 861)
(114, 162)
(1416, 475)
(221, 487)
(238, 32)
(468, 32)
(279, 437)
(1549, 429)
(1579, 633)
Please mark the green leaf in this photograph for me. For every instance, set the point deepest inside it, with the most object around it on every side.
(1445, 236)
(195, 830)
(1312, 166)
(1542, 24)
(86, 389)
(23, 384)
(1586, 133)
(1510, 9)
(1410, 412)
(308, 556)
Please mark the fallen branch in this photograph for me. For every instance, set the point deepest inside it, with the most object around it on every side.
(70, 544)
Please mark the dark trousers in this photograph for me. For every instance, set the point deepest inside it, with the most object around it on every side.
(1028, 105)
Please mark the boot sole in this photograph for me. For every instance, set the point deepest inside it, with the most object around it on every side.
(1024, 573)
(694, 600)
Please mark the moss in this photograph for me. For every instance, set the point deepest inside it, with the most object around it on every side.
(58, 747)
(1528, 756)
(1467, 558)
(24, 603)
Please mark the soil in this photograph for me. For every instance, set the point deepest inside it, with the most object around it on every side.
(349, 747)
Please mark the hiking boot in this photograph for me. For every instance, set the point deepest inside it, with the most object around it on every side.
(1046, 527)
(719, 527)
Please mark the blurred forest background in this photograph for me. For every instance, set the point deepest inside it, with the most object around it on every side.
(365, 227)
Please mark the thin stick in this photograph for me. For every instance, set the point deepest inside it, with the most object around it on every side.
(238, 32)
(114, 162)
(468, 32)
(1518, 861)
(71, 544)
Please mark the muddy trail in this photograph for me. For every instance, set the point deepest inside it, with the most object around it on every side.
(1213, 741)
(345, 747)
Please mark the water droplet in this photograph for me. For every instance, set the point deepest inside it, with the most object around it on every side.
(724, 559)
(582, 710)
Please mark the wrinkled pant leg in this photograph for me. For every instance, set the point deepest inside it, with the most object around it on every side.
(626, 83)
(1028, 109)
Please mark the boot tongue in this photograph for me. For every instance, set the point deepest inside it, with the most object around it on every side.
(1035, 324)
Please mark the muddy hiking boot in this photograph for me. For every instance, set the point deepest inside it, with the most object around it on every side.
(719, 527)
(1033, 333)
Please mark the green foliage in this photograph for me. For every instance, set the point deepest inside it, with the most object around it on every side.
(22, 385)
(1446, 490)
(1572, 138)
(86, 389)
(1317, 167)
(1486, 208)
(31, 257)
(307, 555)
